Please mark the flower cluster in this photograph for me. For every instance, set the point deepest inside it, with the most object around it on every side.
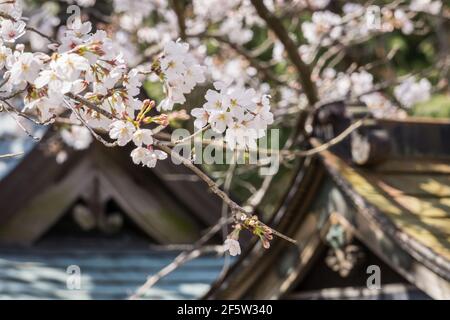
(85, 65)
(251, 224)
(411, 92)
(87, 69)
(124, 132)
(360, 86)
(324, 28)
(181, 73)
(327, 27)
(11, 25)
(341, 85)
(429, 6)
(237, 27)
(239, 112)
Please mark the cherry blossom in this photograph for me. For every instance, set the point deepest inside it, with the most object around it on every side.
(25, 68)
(340, 85)
(324, 28)
(410, 91)
(237, 111)
(430, 6)
(154, 156)
(147, 156)
(5, 52)
(78, 137)
(11, 31)
(181, 73)
(232, 246)
(143, 136)
(122, 131)
(202, 117)
(140, 155)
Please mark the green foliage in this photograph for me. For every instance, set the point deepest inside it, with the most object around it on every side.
(154, 90)
(437, 107)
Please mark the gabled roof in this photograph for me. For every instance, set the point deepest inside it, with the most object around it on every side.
(38, 191)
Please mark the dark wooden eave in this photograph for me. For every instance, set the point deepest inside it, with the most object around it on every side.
(255, 274)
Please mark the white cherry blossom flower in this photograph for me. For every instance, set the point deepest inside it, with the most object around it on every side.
(232, 246)
(361, 82)
(132, 82)
(5, 52)
(122, 131)
(78, 137)
(220, 120)
(140, 155)
(202, 117)
(403, 21)
(154, 156)
(69, 66)
(43, 107)
(214, 101)
(26, 68)
(143, 136)
(147, 156)
(55, 84)
(324, 28)
(11, 31)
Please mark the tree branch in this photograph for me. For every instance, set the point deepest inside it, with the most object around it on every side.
(11, 155)
(90, 105)
(304, 72)
(234, 207)
(178, 7)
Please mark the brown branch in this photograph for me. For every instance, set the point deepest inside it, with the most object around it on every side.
(254, 62)
(234, 207)
(91, 105)
(91, 130)
(304, 72)
(178, 7)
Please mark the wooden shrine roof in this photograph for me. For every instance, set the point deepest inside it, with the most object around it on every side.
(104, 275)
(398, 206)
(414, 196)
(37, 192)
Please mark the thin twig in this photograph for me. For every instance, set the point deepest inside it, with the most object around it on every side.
(11, 155)
(344, 134)
(189, 138)
(180, 260)
(91, 130)
(235, 208)
(91, 105)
